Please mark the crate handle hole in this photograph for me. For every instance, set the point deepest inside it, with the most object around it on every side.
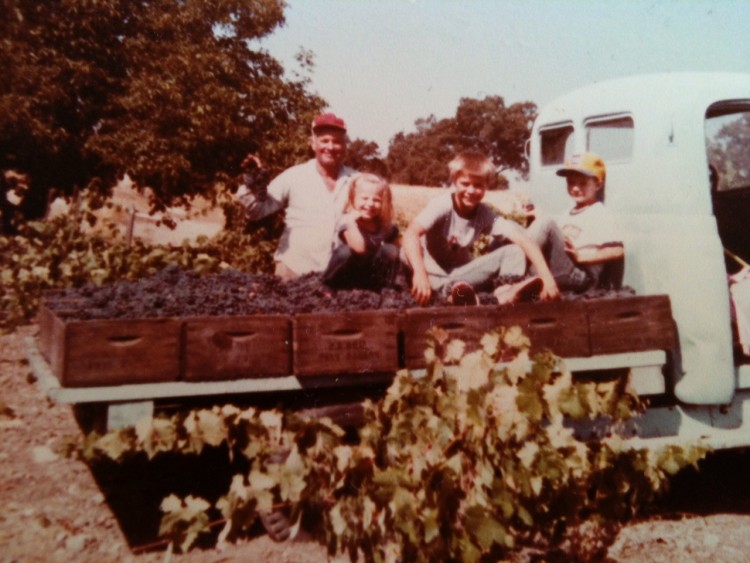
(544, 321)
(346, 332)
(628, 314)
(452, 326)
(124, 340)
(247, 335)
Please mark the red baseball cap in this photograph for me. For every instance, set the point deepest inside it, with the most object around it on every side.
(328, 121)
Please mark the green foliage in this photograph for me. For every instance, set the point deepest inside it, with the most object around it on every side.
(420, 158)
(65, 252)
(364, 156)
(172, 93)
(473, 461)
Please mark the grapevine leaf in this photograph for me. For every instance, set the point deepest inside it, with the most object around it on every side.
(515, 338)
(454, 351)
(114, 444)
(172, 503)
(527, 454)
(431, 525)
(260, 481)
(485, 528)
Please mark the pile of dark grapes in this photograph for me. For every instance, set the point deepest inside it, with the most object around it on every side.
(176, 292)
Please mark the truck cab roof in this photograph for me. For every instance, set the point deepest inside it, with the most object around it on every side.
(651, 131)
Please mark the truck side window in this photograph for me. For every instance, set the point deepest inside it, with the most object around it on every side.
(556, 143)
(610, 137)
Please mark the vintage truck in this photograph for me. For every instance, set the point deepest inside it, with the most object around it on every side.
(677, 148)
(674, 340)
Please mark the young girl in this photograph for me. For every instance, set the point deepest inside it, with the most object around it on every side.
(365, 254)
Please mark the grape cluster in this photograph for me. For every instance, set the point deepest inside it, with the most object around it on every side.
(176, 292)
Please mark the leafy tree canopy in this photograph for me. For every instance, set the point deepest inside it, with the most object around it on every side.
(364, 156)
(486, 125)
(174, 93)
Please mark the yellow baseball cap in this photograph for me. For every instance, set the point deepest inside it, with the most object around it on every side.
(587, 163)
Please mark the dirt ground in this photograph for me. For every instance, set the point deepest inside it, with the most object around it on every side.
(53, 508)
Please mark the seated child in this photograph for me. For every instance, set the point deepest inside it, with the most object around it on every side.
(365, 254)
(439, 242)
(582, 247)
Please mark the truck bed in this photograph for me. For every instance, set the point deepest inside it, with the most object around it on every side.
(281, 352)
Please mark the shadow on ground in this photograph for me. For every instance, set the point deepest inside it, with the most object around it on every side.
(720, 485)
(134, 489)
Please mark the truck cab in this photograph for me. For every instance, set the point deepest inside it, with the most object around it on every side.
(677, 150)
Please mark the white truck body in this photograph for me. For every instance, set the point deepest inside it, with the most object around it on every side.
(653, 132)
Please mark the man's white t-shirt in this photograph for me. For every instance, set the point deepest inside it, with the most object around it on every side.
(312, 213)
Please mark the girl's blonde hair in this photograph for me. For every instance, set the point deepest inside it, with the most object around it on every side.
(386, 212)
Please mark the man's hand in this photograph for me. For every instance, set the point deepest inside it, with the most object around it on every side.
(250, 162)
(255, 177)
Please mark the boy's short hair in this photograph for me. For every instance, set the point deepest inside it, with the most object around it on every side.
(474, 163)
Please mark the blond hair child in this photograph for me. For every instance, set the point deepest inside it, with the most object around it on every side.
(438, 243)
(365, 254)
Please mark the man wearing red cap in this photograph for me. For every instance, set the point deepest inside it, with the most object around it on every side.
(313, 193)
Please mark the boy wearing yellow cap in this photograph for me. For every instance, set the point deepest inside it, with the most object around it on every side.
(583, 241)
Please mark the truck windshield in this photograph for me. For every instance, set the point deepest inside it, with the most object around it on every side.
(727, 130)
(728, 147)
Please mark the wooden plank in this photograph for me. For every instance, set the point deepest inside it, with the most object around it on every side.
(645, 358)
(222, 348)
(345, 343)
(559, 326)
(112, 352)
(631, 324)
(51, 337)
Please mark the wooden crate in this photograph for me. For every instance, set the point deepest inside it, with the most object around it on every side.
(559, 326)
(51, 323)
(631, 324)
(345, 343)
(465, 323)
(222, 348)
(110, 352)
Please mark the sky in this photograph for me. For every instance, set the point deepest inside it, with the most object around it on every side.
(382, 64)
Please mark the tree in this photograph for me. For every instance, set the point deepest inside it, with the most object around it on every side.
(487, 125)
(365, 157)
(172, 93)
(420, 158)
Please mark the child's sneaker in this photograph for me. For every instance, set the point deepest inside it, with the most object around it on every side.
(521, 291)
(463, 293)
